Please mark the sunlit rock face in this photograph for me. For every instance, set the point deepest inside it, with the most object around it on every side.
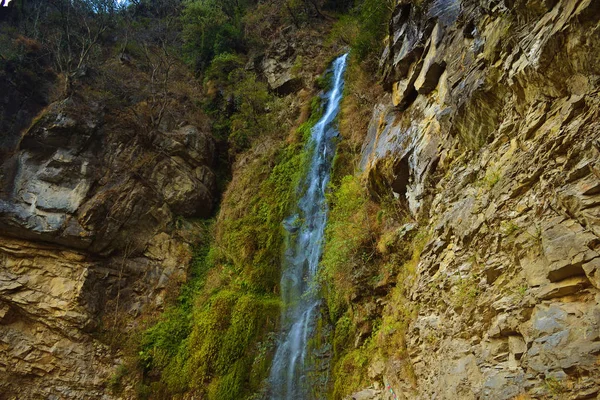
(491, 132)
(88, 240)
(69, 173)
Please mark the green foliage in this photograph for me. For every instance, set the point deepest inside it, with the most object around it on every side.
(338, 5)
(374, 17)
(230, 341)
(116, 380)
(351, 371)
(241, 105)
(346, 29)
(324, 82)
(165, 343)
(555, 386)
(346, 223)
(344, 330)
(347, 234)
(210, 28)
(509, 227)
(522, 290)
(220, 345)
(491, 178)
(223, 65)
(365, 28)
(466, 291)
(250, 119)
(251, 239)
(217, 339)
(261, 22)
(224, 342)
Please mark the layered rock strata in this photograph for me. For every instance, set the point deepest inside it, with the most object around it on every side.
(90, 238)
(491, 132)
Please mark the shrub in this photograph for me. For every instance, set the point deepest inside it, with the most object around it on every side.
(210, 28)
(250, 119)
(261, 22)
(364, 28)
(374, 17)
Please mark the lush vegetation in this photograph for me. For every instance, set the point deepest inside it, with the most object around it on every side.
(218, 339)
(215, 27)
(371, 251)
(372, 246)
(364, 28)
(211, 28)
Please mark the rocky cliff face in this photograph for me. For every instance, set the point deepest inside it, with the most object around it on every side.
(90, 239)
(491, 133)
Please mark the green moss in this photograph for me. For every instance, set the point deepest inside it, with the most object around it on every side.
(357, 229)
(344, 331)
(509, 227)
(218, 339)
(224, 342)
(115, 383)
(349, 241)
(350, 372)
(251, 241)
(347, 235)
(161, 342)
(491, 178)
(466, 291)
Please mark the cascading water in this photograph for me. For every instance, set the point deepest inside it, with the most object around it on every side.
(288, 376)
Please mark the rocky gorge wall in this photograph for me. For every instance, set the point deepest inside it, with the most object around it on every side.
(103, 207)
(488, 136)
(91, 238)
(490, 130)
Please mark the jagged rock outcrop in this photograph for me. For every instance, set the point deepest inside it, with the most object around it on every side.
(278, 67)
(491, 132)
(288, 63)
(89, 239)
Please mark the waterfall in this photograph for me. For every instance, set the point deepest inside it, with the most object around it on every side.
(288, 376)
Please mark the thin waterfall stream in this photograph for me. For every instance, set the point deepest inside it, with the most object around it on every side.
(288, 376)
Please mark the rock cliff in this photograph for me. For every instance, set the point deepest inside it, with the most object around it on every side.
(90, 239)
(487, 141)
(490, 131)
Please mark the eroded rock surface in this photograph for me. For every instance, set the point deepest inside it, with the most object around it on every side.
(287, 63)
(491, 132)
(89, 240)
